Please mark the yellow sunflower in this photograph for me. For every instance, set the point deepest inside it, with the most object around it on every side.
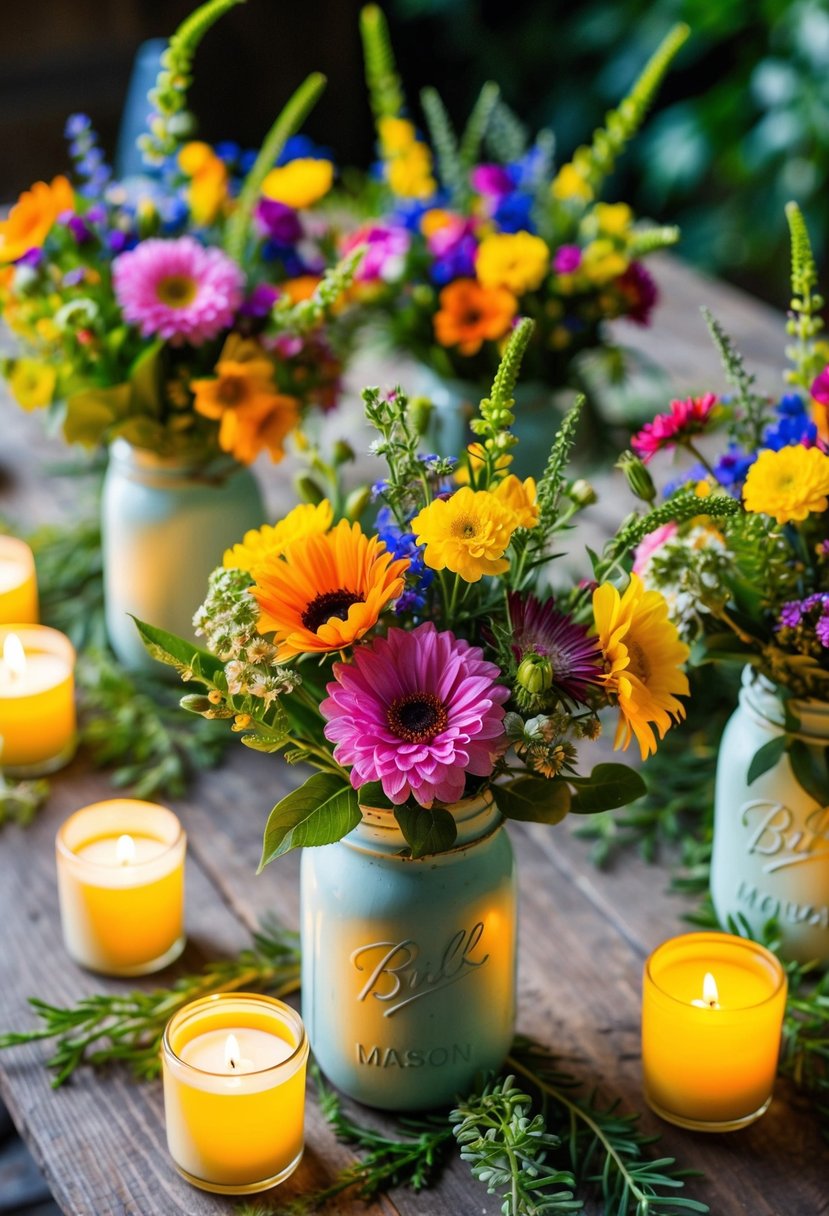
(520, 497)
(643, 657)
(327, 591)
(789, 484)
(468, 533)
(272, 540)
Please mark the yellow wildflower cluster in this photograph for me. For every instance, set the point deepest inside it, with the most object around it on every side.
(207, 191)
(518, 261)
(407, 159)
(469, 533)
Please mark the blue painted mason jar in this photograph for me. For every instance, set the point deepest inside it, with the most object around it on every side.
(164, 527)
(408, 966)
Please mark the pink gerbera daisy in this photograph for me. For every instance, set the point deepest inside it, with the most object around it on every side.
(417, 711)
(685, 419)
(178, 290)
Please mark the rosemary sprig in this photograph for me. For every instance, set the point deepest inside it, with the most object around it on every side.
(21, 800)
(105, 1029)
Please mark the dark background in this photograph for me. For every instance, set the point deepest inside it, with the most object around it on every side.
(741, 125)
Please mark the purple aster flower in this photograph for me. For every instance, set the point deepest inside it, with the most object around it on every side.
(385, 249)
(260, 301)
(416, 710)
(79, 228)
(494, 181)
(567, 259)
(540, 629)
(457, 263)
(74, 277)
(32, 258)
(278, 222)
(177, 290)
(800, 614)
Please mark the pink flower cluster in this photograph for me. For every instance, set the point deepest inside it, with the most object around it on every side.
(686, 418)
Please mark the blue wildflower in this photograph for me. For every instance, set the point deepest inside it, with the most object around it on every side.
(732, 467)
(403, 545)
(513, 213)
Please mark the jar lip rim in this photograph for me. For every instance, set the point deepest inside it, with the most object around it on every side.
(217, 998)
(122, 452)
(754, 681)
(745, 943)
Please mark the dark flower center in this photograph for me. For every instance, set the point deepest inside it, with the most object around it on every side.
(329, 604)
(418, 717)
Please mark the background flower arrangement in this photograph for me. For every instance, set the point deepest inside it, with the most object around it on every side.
(467, 232)
(181, 310)
(418, 668)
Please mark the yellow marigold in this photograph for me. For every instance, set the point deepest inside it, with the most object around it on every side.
(613, 219)
(272, 540)
(327, 591)
(434, 219)
(601, 261)
(396, 134)
(32, 383)
(208, 187)
(410, 174)
(468, 533)
(474, 463)
(570, 183)
(31, 218)
(516, 260)
(789, 484)
(643, 659)
(300, 183)
(521, 497)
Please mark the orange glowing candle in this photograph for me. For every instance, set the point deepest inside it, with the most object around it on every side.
(18, 583)
(121, 886)
(37, 700)
(712, 1013)
(234, 1092)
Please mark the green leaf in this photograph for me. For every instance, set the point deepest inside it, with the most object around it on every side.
(810, 775)
(608, 786)
(427, 830)
(91, 412)
(321, 811)
(766, 757)
(372, 795)
(178, 652)
(146, 380)
(533, 800)
(262, 743)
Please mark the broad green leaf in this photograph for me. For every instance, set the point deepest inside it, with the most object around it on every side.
(141, 432)
(427, 830)
(91, 412)
(179, 653)
(533, 800)
(263, 743)
(372, 795)
(810, 775)
(146, 380)
(766, 757)
(321, 811)
(608, 786)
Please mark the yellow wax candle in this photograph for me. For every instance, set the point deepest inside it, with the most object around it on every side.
(234, 1092)
(37, 700)
(712, 1012)
(121, 886)
(18, 583)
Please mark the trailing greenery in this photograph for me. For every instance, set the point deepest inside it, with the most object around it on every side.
(105, 1029)
(70, 580)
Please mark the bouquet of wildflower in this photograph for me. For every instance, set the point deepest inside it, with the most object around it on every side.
(467, 233)
(751, 587)
(187, 309)
(422, 663)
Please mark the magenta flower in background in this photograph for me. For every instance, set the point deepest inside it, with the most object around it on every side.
(639, 289)
(567, 259)
(417, 711)
(177, 290)
(540, 629)
(386, 246)
(685, 419)
(494, 181)
(446, 239)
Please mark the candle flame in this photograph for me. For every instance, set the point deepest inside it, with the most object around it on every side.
(14, 656)
(710, 993)
(125, 850)
(233, 1053)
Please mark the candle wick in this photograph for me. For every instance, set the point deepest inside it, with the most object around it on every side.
(232, 1062)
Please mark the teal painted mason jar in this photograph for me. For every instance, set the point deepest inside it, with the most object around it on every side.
(164, 527)
(408, 966)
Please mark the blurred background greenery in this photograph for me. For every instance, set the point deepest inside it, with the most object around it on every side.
(741, 125)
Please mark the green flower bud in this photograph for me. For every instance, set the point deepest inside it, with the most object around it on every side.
(638, 477)
(582, 493)
(196, 704)
(420, 412)
(309, 490)
(357, 501)
(535, 674)
(343, 453)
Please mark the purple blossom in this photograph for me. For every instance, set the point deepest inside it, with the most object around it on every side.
(260, 301)
(278, 222)
(79, 229)
(74, 277)
(567, 259)
(800, 613)
(494, 181)
(33, 258)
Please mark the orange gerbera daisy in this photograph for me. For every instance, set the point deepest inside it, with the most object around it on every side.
(32, 216)
(327, 591)
(252, 415)
(470, 314)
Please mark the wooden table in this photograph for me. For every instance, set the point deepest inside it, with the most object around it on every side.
(100, 1140)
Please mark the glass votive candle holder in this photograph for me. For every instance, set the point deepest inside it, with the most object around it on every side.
(234, 1092)
(37, 700)
(18, 582)
(121, 886)
(712, 1013)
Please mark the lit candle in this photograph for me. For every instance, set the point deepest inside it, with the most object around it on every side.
(18, 584)
(712, 1012)
(37, 700)
(234, 1092)
(121, 886)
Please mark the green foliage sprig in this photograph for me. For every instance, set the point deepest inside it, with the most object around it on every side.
(804, 321)
(384, 88)
(751, 416)
(496, 411)
(305, 315)
(805, 1055)
(105, 1029)
(506, 135)
(453, 171)
(21, 800)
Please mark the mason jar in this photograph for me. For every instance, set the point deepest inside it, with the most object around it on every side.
(164, 527)
(771, 838)
(408, 966)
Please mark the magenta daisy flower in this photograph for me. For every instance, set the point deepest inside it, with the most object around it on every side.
(685, 419)
(417, 711)
(177, 290)
(540, 629)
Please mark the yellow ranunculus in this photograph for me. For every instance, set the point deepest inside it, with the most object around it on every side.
(468, 533)
(300, 183)
(32, 383)
(789, 484)
(516, 260)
